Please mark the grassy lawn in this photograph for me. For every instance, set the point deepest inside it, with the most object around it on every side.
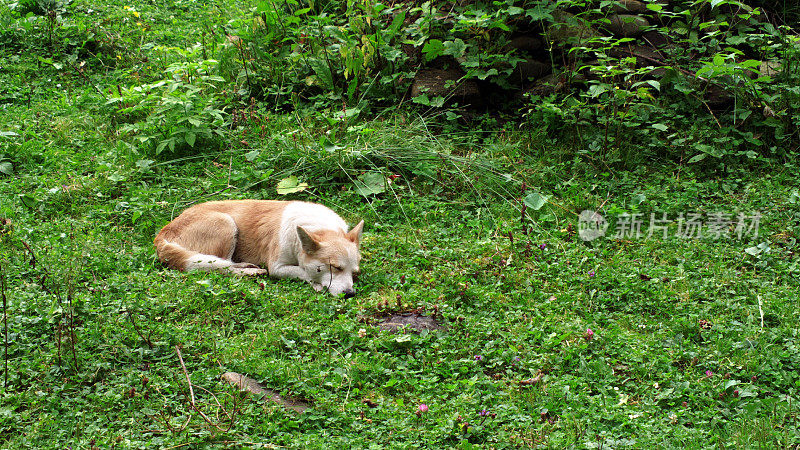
(694, 342)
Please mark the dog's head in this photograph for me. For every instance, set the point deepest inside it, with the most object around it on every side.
(331, 258)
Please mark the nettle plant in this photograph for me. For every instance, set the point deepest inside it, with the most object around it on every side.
(330, 53)
(724, 86)
(358, 52)
(177, 113)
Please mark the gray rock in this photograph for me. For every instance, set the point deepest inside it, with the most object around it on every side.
(531, 70)
(445, 83)
(770, 68)
(655, 38)
(524, 44)
(645, 56)
(568, 29)
(630, 7)
(547, 85)
(627, 25)
(718, 98)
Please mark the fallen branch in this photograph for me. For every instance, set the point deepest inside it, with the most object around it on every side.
(5, 323)
(249, 385)
(191, 391)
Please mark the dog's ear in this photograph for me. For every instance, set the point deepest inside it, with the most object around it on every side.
(309, 244)
(355, 234)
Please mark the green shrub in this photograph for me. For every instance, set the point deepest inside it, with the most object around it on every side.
(178, 113)
(728, 88)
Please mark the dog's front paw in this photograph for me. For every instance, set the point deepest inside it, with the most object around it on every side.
(247, 269)
(317, 287)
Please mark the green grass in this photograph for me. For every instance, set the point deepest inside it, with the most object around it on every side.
(94, 319)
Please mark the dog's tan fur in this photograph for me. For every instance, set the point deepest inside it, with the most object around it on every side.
(206, 228)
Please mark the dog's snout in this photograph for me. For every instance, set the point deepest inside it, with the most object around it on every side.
(349, 293)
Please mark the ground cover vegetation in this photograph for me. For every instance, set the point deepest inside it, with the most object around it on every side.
(469, 136)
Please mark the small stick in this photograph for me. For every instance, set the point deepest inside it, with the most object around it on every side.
(5, 322)
(191, 390)
(146, 339)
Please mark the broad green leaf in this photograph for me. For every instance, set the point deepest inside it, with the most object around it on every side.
(370, 183)
(735, 40)
(397, 22)
(596, 90)
(323, 72)
(541, 13)
(290, 185)
(144, 164)
(489, 73)
(697, 158)
(730, 383)
(655, 84)
(28, 201)
(422, 99)
(252, 155)
(758, 249)
(709, 150)
(455, 48)
(328, 145)
(432, 49)
(6, 168)
(161, 146)
(535, 200)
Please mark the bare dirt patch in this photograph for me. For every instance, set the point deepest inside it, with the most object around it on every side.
(409, 321)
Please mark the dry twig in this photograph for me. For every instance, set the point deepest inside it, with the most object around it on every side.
(191, 391)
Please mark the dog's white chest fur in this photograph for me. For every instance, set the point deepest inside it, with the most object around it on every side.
(311, 217)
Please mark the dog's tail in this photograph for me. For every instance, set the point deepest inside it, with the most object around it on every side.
(173, 255)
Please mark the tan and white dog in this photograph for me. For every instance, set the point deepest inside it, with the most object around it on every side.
(291, 239)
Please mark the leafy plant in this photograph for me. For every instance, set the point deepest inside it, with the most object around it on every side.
(626, 105)
(177, 113)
